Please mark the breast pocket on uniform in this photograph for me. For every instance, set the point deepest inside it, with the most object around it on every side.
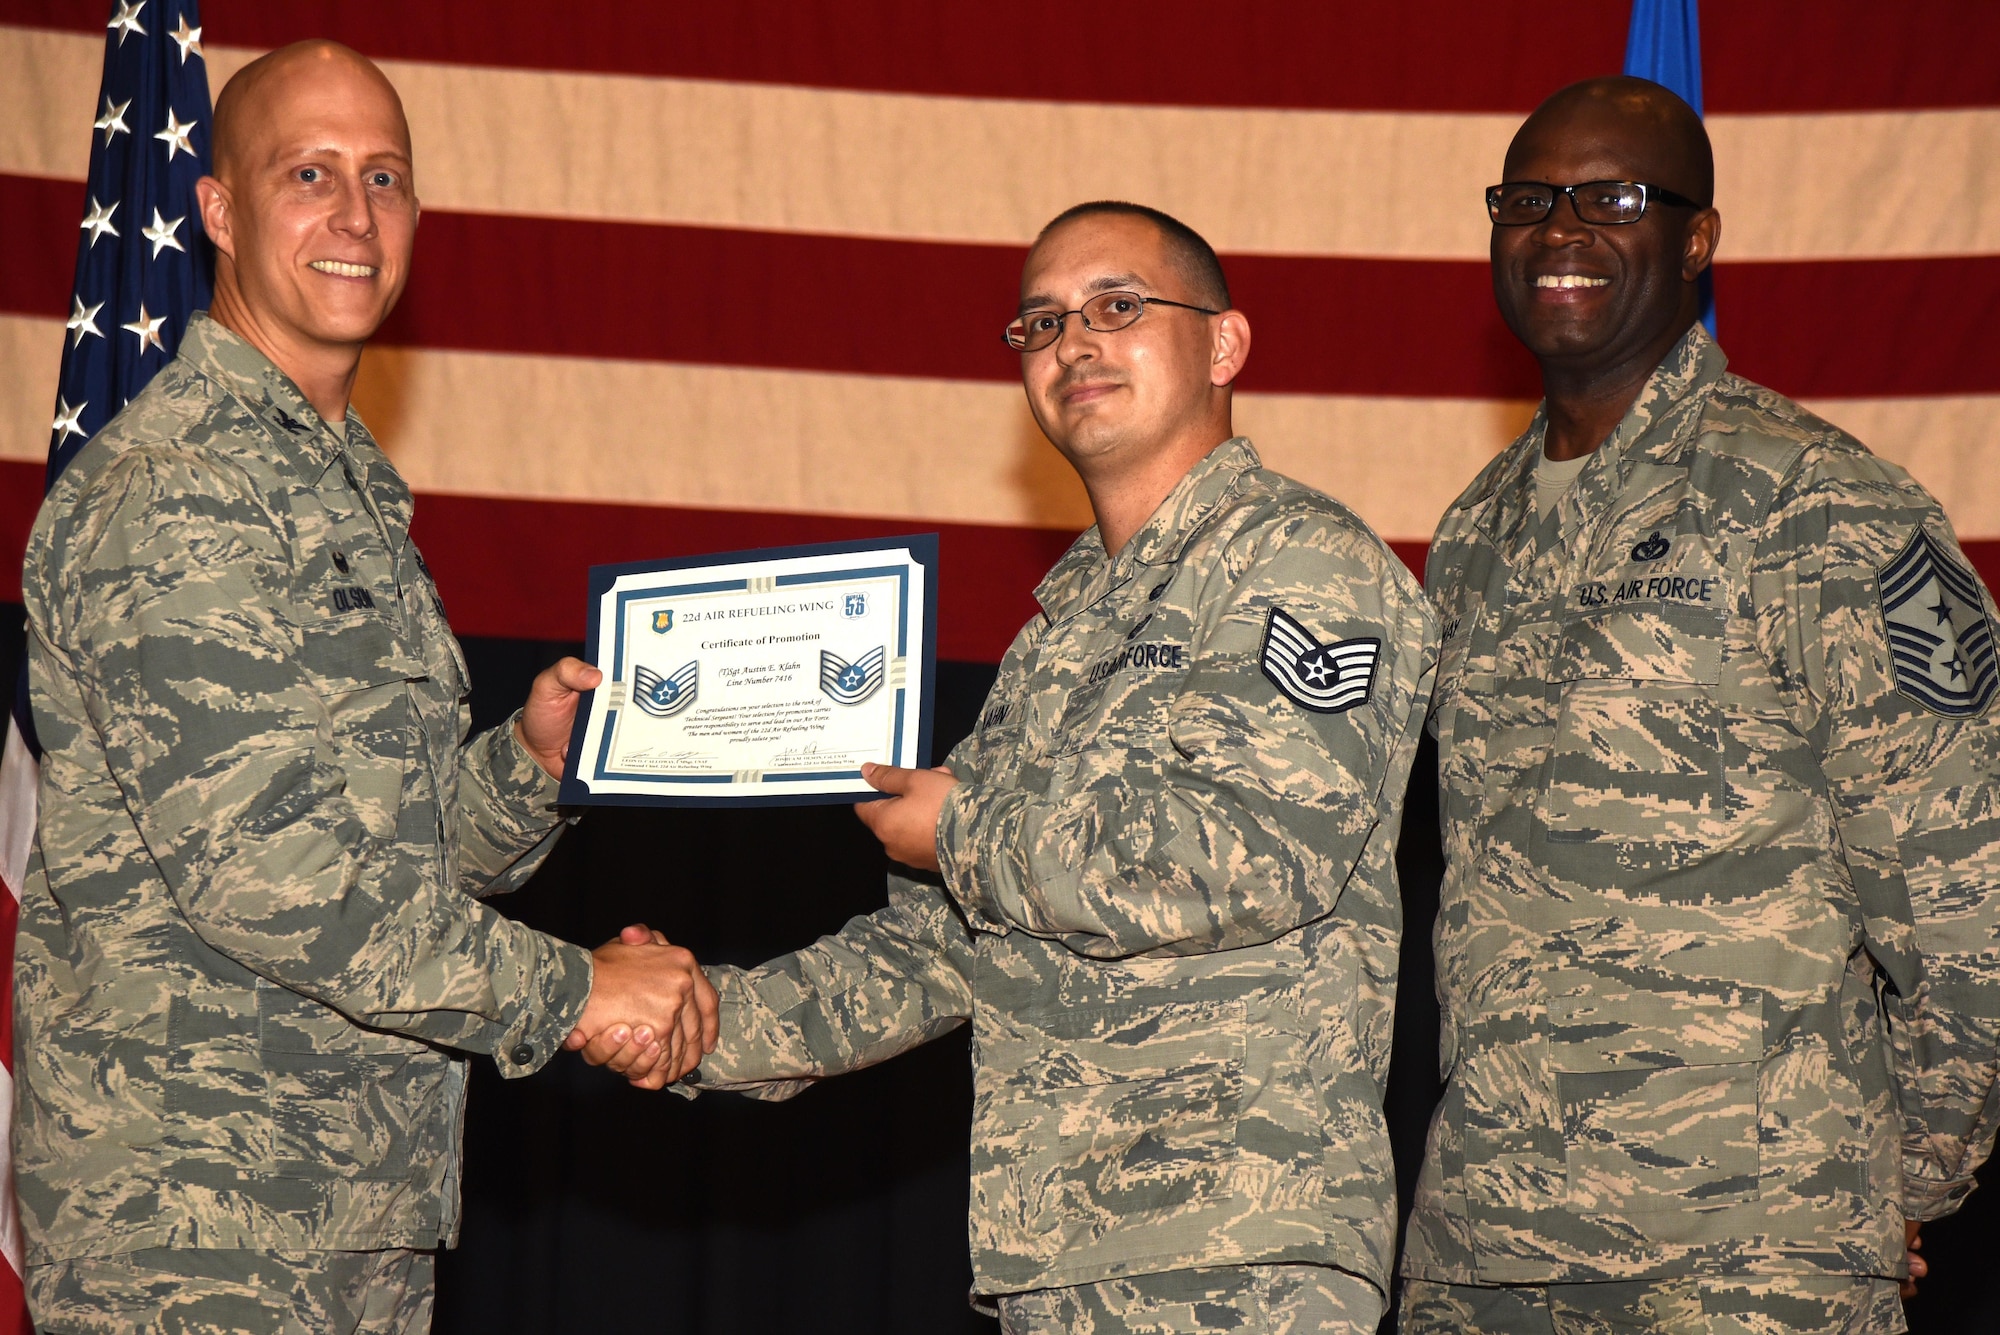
(1658, 1097)
(358, 667)
(1635, 780)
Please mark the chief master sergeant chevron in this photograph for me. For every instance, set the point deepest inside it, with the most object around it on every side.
(249, 930)
(1168, 901)
(1719, 945)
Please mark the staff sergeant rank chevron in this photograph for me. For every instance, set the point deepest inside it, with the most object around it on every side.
(851, 683)
(664, 697)
(1325, 678)
(1938, 632)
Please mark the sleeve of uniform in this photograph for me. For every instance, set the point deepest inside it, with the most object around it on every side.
(191, 673)
(1260, 806)
(883, 984)
(1915, 781)
(508, 820)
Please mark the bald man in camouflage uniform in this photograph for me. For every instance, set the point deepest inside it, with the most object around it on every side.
(1719, 946)
(251, 931)
(1167, 901)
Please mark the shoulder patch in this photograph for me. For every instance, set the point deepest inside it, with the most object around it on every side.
(1939, 635)
(1324, 678)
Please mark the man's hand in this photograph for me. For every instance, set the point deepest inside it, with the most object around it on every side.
(907, 822)
(1918, 1267)
(651, 1016)
(545, 720)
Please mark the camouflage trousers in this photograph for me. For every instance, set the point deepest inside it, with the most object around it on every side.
(189, 1291)
(1745, 1305)
(1246, 1300)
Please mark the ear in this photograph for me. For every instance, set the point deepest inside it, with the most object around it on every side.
(1704, 234)
(1230, 349)
(213, 198)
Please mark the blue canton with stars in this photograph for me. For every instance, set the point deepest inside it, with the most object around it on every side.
(142, 263)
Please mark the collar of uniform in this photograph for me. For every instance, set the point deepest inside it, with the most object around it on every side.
(1160, 540)
(1649, 432)
(303, 437)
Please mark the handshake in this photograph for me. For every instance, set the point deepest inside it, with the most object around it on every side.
(651, 1016)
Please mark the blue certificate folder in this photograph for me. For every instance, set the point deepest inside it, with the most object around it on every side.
(757, 678)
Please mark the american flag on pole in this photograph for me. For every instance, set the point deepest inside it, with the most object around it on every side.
(142, 269)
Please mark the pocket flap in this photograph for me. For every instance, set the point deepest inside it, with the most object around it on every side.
(1636, 1029)
(1104, 1045)
(1665, 642)
(354, 652)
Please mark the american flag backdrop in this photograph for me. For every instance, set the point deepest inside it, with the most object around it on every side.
(694, 277)
(140, 271)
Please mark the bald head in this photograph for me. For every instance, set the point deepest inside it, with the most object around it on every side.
(1640, 121)
(263, 100)
(312, 209)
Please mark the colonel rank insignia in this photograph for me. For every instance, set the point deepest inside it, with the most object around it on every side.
(1325, 678)
(851, 683)
(664, 697)
(1939, 636)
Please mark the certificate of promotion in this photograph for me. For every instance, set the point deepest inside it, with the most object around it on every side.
(762, 677)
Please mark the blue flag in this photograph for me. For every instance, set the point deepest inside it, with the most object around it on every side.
(142, 263)
(1663, 44)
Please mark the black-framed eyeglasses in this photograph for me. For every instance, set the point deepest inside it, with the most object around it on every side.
(1604, 203)
(1105, 313)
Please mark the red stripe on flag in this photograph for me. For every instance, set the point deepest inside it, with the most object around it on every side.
(1420, 55)
(1849, 328)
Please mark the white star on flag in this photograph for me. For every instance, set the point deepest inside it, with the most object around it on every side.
(176, 135)
(161, 233)
(112, 122)
(66, 419)
(147, 328)
(126, 20)
(187, 39)
(98, 221)
(84, 321)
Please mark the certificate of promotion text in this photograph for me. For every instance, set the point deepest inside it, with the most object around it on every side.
(763, 677)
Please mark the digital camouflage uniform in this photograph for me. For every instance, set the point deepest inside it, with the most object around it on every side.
(1168, 908)
(1703, 804)
(249, 930)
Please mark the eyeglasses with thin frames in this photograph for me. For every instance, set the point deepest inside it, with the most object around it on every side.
(1105, 313)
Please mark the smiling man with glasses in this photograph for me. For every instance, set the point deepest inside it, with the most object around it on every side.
(1159, 878)
(1718, 755)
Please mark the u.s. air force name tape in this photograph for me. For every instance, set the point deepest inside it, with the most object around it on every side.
(1324, 678)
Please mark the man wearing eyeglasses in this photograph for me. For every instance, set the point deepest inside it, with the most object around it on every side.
(1159, 878)
(1716, 727)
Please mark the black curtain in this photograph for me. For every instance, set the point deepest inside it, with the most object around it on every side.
(592, 1207)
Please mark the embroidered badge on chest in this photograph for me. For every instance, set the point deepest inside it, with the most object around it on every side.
(1939, 637)
(1324, 678)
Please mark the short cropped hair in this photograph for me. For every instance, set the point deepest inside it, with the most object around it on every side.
(1192, 254)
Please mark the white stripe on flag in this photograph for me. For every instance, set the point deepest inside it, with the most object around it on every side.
(19, 777)
(10, 1215)
(786, 158)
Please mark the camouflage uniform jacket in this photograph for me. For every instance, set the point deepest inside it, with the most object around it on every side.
(249, 927)
(1169, 908)
(1717, 947)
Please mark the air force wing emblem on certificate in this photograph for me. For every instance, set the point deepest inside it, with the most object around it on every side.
(1324, 678)
(664, 697)
(1939, 635)
(851, 683)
